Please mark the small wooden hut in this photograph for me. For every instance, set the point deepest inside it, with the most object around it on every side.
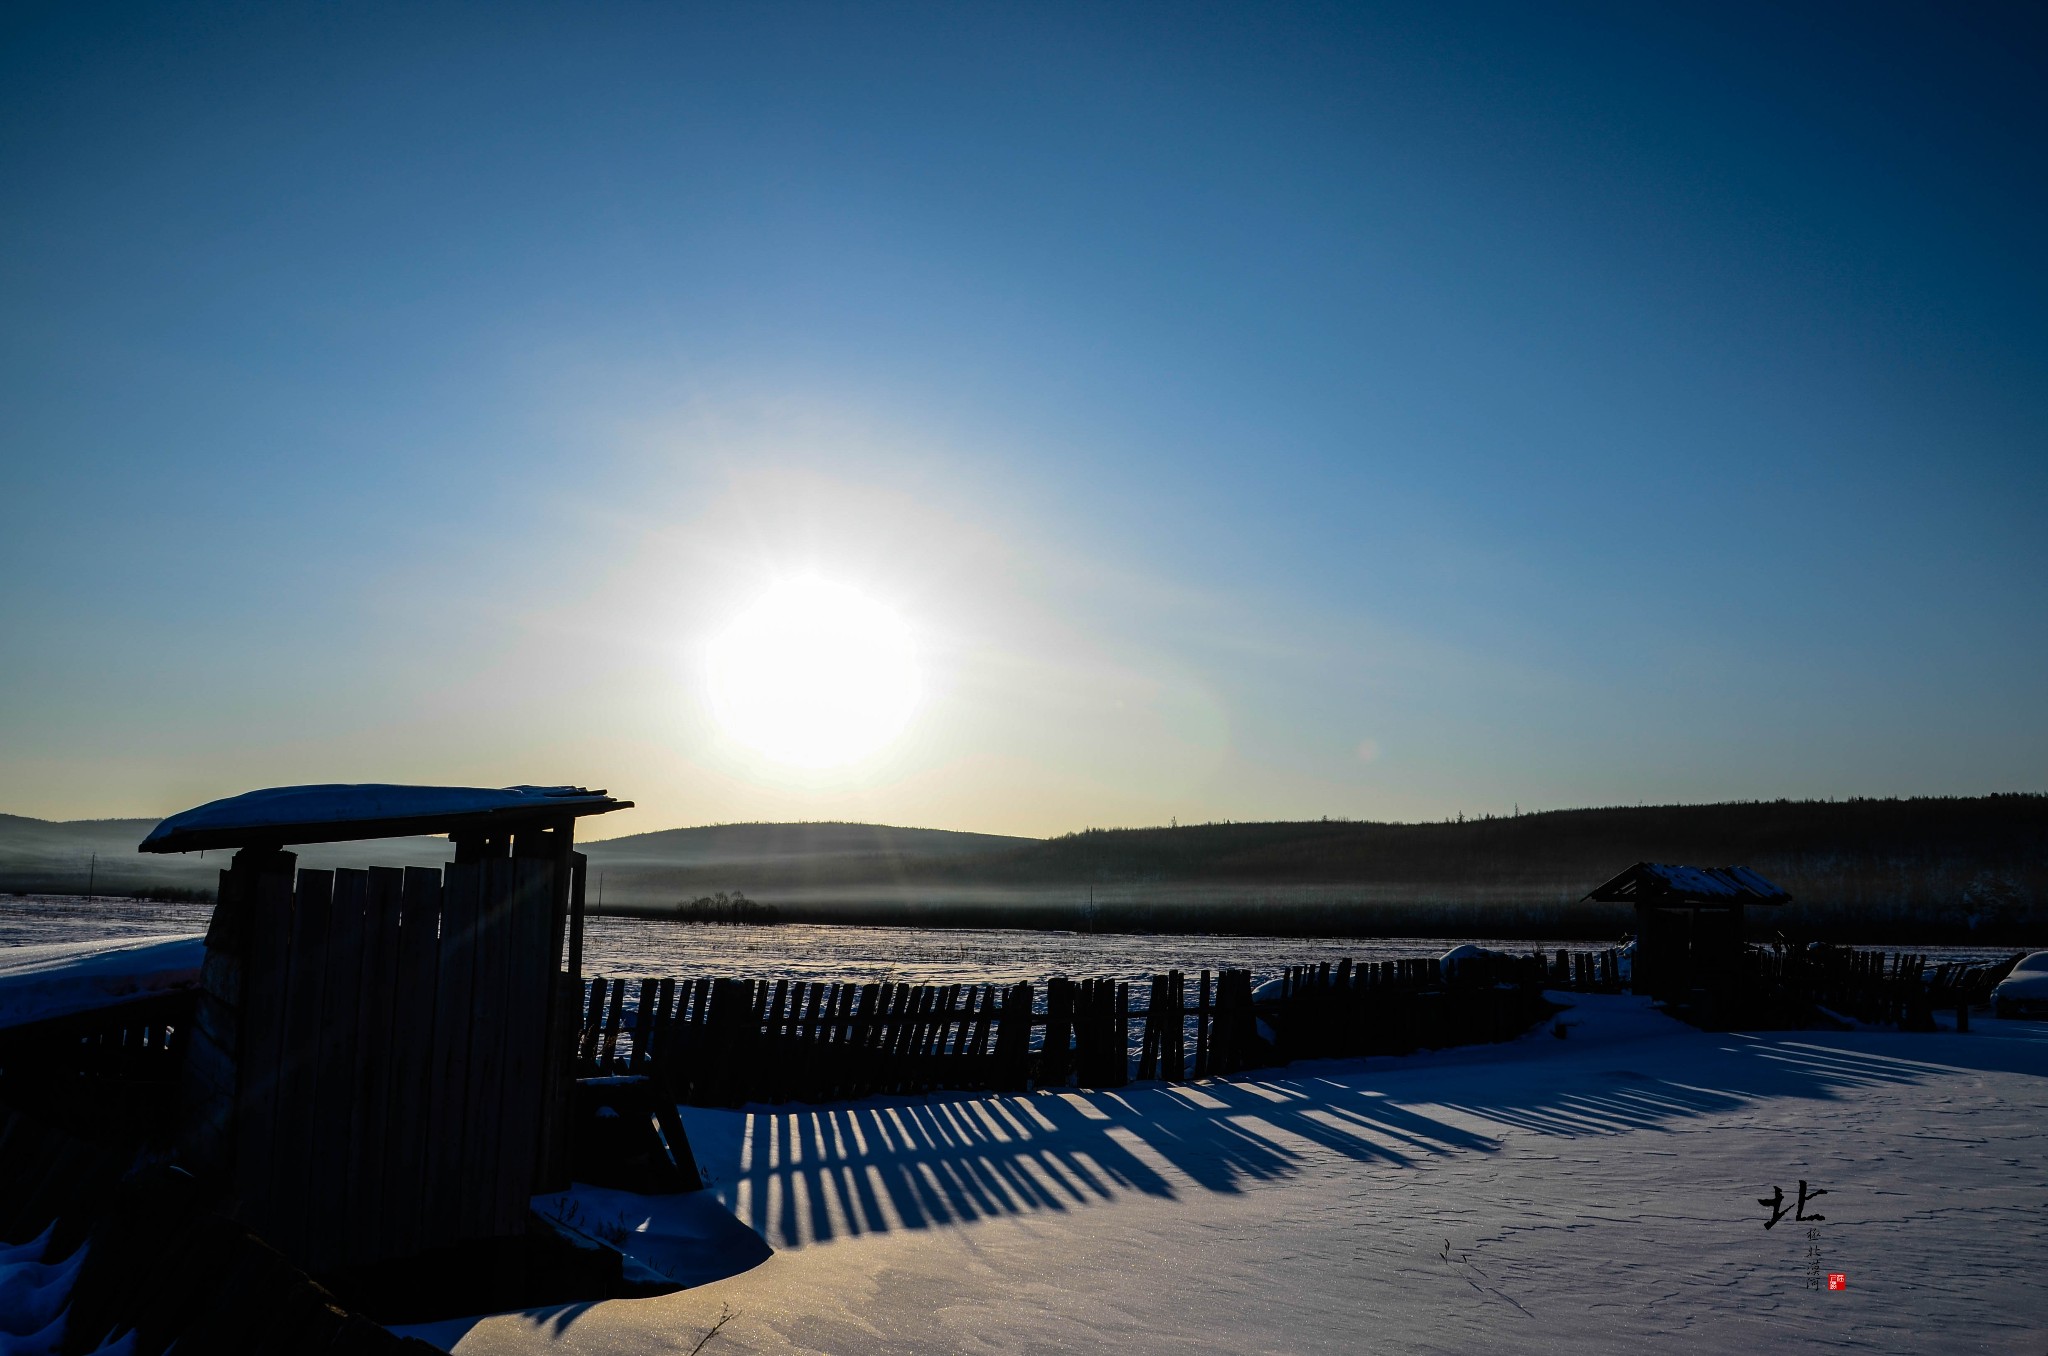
(1689, 923)
(382, 1060)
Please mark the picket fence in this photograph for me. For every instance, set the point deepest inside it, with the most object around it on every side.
(727, 1042)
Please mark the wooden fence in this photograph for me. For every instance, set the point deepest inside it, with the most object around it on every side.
(725, 1042)
(372, 1052)
(1967, 983)
(82, 1068)
(1869, 986)
(1583, 971)
(1781, 986)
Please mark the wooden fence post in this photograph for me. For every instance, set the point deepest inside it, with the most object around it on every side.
(1013, 1040)
(1176, 1032)
(1058, 1062)
(1120, 1045)
(1149, 1041)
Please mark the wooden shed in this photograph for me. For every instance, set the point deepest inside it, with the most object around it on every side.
(381, 1064)
(1689, 922)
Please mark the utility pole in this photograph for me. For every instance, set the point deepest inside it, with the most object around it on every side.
(92, 875)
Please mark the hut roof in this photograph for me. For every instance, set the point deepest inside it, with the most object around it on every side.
(1660, 883)
(333, 814)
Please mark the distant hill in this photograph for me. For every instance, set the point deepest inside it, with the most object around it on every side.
(1931, 868)
(658, 869)
(1814, 842)
(41, 856)
(854, 844)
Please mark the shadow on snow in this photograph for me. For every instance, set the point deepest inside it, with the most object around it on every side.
(810, 1174)
(806, 1175)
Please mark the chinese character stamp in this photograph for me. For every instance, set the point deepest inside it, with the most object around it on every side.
(1775, 1203)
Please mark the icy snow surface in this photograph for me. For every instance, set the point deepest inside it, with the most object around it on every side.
(35, 1296)
(35, 920)
(1588, 1195)
(60, 978)
(684, 1239)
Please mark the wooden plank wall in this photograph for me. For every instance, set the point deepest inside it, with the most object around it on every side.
(391, 1078)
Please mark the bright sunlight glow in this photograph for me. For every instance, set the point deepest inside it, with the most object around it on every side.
(814, 674)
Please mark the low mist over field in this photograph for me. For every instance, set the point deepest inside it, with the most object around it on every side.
(1936, 868)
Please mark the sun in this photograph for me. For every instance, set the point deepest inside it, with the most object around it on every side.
(814, 674)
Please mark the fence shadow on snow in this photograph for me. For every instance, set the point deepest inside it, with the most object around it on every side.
(800, 1175)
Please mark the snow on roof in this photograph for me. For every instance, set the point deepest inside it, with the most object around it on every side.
(333, 813)
(1652, 882)
(61, 978)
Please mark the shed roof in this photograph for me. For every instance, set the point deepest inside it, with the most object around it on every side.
(1661, 883)
(337, 813)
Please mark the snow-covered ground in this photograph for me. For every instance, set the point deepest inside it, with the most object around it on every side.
(1598, 1193)
(35, 1294)
(48, 920)
(59, 978)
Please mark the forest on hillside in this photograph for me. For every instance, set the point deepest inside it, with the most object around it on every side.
(1924, 869)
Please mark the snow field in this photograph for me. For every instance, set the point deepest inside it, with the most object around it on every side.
(34, 1297)
(1594, 1194)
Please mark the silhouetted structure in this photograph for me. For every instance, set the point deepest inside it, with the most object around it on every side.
(381, 1063)
(1688, 924)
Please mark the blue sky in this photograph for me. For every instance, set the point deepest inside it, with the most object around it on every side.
(1255, 411)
